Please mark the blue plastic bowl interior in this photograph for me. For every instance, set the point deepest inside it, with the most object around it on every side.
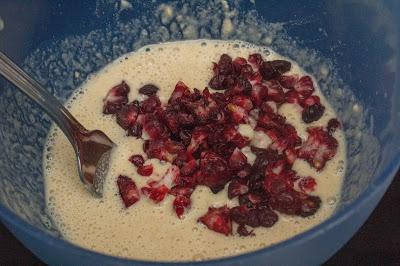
(357, 41)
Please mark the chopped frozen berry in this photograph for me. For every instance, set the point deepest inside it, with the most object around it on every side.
(128, 190)
(148, 89)
(127, 115)
(304, 86)
(154, 128)
(244, 215)
(237, 113)
(256, 60)
(238, 160)
(245, 172)
(181, 191)
(273, 69)
(243, 102)
(293, 97)
(189, 168)
(236, 188)
(238, 64)
(259, 93)
(137, 160)
(312, 113)
(267, 217)
(275, 91)
(333, 124)
(269, 107)
(218, 220)
(241, 86)
(291, 155)
(319, 148)
(224, 66)
(243, 231)
(135, 130)
(199, 137)
(250, 200)
(180, 90)
(145, 170)
(311, 100)
(275, 184)
(155, 191)
(116, 98)
(307, 184)
(216, 82)
(180, 204)
(150, 104)
(214, 171)
(288, 81)
(182, 198)
(246, 71)
(286, 201)
(309, 205)
(171, 176)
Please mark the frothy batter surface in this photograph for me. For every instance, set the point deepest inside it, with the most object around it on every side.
(145, 230)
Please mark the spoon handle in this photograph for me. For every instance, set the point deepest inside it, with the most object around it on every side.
(36, 92)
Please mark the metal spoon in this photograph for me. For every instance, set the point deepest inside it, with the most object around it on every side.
(92, 148)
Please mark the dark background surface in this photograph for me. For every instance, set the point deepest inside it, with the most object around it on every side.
(376, 243)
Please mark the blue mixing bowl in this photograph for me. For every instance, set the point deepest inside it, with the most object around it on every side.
(352, 48)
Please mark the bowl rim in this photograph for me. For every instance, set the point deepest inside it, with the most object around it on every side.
(382, 181)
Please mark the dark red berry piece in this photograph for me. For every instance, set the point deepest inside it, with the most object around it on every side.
(250, 200)
(154, 128)
(243, 231)
(214, 171)
(189, 168)
(333, 124)
(127, 115)
(128, 190)
(217, 82)
(155, 191)
(244, 215)
(180, 204)
(236, 188)
(182, 199)
(273, 69)
(224, 66)
(145, 170)
(275, 91)
(307, 184)
(267, 217)
(288, 81)
(258, 94)
(150, 104)
(180, 91)
(304, 86)
(137, 160)
(238, 160)
(310, 100)
(238, 64)
(312, 113)
(256, 60)
(319, 148)
(116, 97)
(218, 220)
(135, 130)
(148, 89)
(309, 205)
(242, 101)
(286, 201)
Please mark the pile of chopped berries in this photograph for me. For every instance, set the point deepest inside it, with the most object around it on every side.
(197, 133)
